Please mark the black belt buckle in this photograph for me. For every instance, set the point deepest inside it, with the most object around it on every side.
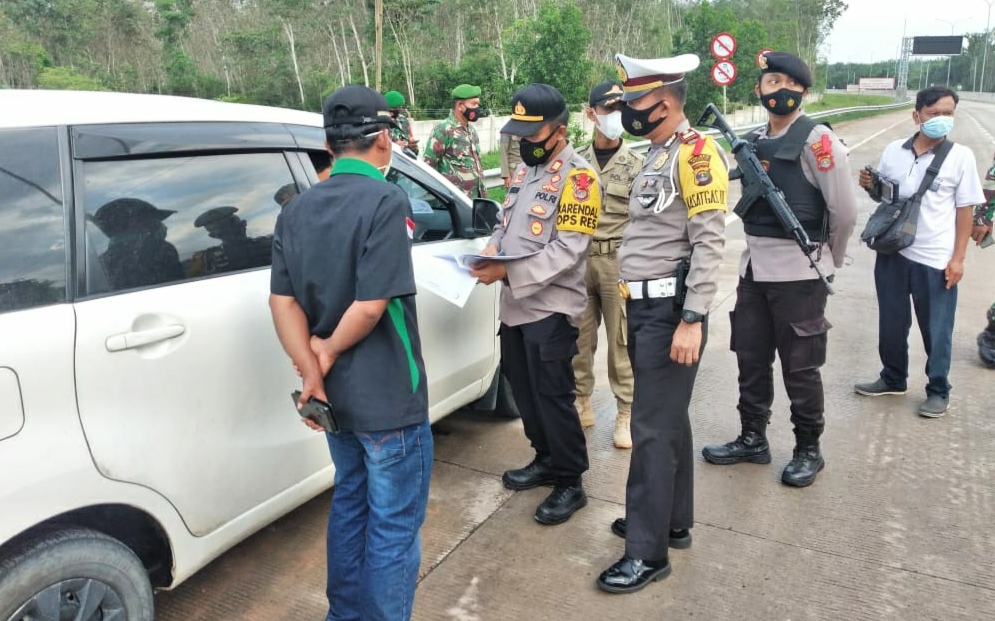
(681, 289)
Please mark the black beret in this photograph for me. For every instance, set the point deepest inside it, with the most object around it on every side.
(788, 64)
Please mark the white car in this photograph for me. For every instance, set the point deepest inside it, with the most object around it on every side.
(146, 424)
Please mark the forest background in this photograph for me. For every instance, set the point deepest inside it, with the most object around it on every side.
(292, 53)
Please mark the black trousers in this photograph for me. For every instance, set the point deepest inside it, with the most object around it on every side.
(659, 494)
(537, 360)
(789, 318)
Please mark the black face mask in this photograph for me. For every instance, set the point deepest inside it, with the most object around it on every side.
(781, 102)
(637, 122)
(534, 153)
(472, 114)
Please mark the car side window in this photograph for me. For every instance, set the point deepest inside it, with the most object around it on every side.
(431, 215)
(33, 258)
(161, 220)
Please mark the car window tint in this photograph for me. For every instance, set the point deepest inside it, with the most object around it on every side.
(432, 217)
(32, 221)
(156, 221)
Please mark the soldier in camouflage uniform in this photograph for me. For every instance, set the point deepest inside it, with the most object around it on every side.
(454, 149)
(983, 215)
(616, 166)
(550, 215)
(402, 134)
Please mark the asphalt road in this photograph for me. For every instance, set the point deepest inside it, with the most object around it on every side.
(898, 526)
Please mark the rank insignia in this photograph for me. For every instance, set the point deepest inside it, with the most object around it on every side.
(702, 168)
(536, 228)
(661, 160)
(582, 186)
(557, 165)
(689, 135)
(538, 210)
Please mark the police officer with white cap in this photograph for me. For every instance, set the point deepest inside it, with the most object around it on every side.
(780, 301)
(677, 220)
(550, 214)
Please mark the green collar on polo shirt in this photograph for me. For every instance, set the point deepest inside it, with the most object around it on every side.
(353, 166)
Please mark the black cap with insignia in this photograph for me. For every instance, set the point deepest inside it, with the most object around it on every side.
(532, 106)
(605, 94)
(788, 64)
(356, 105)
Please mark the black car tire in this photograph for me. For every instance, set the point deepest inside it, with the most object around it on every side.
(78, 571)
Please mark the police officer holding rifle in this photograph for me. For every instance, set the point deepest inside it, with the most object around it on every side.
(797, 193)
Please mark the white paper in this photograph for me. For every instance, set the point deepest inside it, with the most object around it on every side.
(443, 277)
(467, 261)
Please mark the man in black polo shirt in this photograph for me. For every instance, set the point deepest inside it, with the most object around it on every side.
(342, 297)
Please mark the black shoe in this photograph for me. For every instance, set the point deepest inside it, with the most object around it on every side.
(679, 539)
(561, 503)
(751, 447)
(628, 575)
(803, 467)
(539, 472)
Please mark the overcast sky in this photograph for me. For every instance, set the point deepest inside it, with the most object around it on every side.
(871, 30)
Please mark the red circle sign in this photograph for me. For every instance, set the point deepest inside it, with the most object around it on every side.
(723, 45)
(760, 62)
(723, 72)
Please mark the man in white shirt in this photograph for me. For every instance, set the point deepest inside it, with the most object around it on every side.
(927, 271)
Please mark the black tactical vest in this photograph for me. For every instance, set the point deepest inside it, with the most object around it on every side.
(782, 158)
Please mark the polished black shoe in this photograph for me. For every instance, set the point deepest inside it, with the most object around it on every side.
(561, 503)
(628, 575)
(679, 539)
(751, 447)
(538, 473)
(803, 467)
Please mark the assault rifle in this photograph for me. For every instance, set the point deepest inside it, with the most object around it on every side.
(757, 183)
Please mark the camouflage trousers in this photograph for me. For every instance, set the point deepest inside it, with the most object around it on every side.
(603, 302)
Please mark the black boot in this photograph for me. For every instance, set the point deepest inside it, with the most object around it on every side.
(538, 472)
(750, 446)
(565, 499)
(807, 461)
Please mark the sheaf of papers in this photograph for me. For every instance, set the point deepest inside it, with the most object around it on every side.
(443, 277)
(467, 261)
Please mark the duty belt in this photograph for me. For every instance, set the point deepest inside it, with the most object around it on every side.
(605, 246)
(642, 289)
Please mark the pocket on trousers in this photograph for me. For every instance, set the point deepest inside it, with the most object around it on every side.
(556, 360)
(383, 447)
(732, 330)
(623, 324)
(808, 349)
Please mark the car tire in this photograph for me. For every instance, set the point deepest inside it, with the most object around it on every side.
(44, 579)
(505, 406)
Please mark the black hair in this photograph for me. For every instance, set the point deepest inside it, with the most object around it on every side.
(933, 94)
(343, 138)
(678, 90)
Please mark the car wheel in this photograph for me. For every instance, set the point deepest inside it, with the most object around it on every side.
(505, 406)
(74, 574)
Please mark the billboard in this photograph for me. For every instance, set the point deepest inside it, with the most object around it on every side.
(937, 46)
(876, 84)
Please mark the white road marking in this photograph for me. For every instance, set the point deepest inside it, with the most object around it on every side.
(467, 607)
(981, 128)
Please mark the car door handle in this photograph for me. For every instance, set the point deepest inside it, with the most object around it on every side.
(141, 338)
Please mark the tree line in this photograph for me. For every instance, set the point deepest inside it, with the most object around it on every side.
(292, 53)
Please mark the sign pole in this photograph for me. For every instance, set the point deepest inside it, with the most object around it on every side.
(725, 101)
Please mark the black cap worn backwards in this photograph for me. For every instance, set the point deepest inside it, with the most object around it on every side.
(356, 104)
(532, 106)
(788, 64)
(605, 94)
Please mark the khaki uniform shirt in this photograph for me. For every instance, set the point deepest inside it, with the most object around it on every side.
(510, 155)
(781, 260)
(551, 210)
(688, 172)
(616, 181)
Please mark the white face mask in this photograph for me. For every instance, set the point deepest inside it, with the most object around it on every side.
(610, 124)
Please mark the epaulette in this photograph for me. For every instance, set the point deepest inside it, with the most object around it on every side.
(689, 136)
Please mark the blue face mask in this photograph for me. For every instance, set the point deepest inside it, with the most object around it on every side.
(938, 126)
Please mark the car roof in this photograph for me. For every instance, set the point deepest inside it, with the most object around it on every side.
(35, 108)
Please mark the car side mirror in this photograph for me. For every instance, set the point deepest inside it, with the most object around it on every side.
(485, 216)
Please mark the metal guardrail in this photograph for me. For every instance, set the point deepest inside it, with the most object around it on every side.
(492, 176)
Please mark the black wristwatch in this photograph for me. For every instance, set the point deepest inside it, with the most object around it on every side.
(689, 316)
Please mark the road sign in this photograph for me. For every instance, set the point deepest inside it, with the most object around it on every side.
(723, 72)
(723, 45)
(760, 61)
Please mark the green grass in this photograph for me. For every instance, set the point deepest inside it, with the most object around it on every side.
(491, 159)
(496, 193)
(831, 101)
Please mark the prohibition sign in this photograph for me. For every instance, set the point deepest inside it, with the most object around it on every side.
(723, 72)
(723, 45)
(760, 55)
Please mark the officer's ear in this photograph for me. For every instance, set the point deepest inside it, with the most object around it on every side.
(590, 113)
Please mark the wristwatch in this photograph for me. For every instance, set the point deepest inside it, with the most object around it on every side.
(689, 316)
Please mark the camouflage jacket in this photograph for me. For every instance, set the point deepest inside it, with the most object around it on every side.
(454, 151)
(402, 133)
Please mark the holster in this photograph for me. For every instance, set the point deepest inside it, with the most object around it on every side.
(682, 288)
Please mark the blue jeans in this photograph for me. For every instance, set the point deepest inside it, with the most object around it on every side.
(896, 279)
(374, 544)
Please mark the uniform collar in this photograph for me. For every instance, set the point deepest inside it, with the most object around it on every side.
(353, 166)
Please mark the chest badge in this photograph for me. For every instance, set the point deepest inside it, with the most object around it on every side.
(538, 210)
(536, 228)
(661, 160)
(551, 186)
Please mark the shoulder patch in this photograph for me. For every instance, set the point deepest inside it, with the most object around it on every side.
(704, 178)
(580, 203)
(823, 151)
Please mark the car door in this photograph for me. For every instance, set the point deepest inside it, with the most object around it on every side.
(182, 384)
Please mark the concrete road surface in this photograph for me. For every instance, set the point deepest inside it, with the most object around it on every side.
(898, 526)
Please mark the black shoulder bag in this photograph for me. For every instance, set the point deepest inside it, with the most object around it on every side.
(892, 226)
